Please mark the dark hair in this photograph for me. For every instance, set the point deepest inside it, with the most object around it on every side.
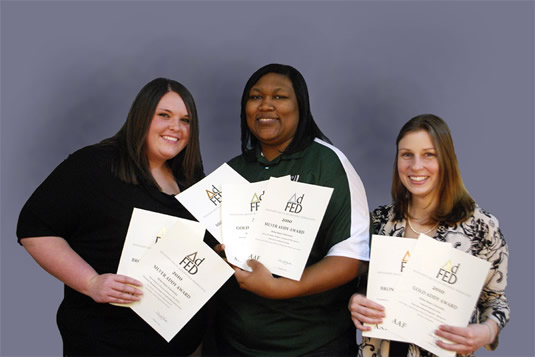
(131, 163)
(307, 129)
(454, 203)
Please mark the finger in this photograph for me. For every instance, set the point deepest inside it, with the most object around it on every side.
(453, 329)
(366, 311)
(364, 301)
(458, 335)
(254, 264)
(366, 319)
(361, 326)
(129, 289)
(455, 347)
(128, 280)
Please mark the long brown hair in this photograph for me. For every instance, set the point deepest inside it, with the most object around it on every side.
(454, 203)
(131, 163)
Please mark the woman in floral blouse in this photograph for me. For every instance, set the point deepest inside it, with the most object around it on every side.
(429, 197)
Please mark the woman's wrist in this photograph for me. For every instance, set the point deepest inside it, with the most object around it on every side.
(492, 331)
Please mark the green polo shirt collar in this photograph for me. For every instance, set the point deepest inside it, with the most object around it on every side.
(283, 156)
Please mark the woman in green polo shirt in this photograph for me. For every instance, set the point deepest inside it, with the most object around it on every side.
(261, 314)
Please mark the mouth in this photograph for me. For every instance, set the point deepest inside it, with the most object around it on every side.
(418, 179)
(170, 138)
(266, 120)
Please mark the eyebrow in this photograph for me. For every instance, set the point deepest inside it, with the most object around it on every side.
(256, 89)
(170, 111)
(424, 149)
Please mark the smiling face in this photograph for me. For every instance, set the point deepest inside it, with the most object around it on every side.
(418, 166)
(272, 113)
(169, 130)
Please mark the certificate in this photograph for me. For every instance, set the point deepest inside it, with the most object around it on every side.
(146, 229)
(238, 209)
(441, 285)
(204, 198)
(388, 259)
(179, 275)
(241, 203)
(285, 227)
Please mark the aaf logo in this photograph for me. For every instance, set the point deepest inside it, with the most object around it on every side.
(255, 201)
(405, 260)
(160, 235)
(214, 195)
(295, 204)
(191, 263)
(448, 272)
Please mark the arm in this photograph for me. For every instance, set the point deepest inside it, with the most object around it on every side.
(492, 304)
(328, 273)
(56, 256)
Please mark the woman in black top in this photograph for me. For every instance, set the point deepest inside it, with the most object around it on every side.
(75, 223)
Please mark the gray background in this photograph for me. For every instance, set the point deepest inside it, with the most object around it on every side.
(69, 71)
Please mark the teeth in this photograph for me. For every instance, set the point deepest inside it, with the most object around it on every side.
(170, 138)
(266, 119)
(417, 178)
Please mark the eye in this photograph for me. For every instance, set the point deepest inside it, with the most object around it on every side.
(255, 97)
(185, 120)
(406, 155)
(280, 96)
(430, 154)
(164, 115)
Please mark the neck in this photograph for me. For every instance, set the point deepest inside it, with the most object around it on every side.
(270, 152)
(163, 175)
(421, 208)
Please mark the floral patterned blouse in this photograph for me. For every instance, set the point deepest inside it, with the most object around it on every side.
(480, 236)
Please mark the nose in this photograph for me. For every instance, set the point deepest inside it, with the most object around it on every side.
(266, 104)
(417, 163)
(174, 124)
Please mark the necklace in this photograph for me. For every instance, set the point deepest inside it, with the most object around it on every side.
(415, 231)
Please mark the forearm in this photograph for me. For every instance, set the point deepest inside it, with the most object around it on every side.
(56, 256)
(328, 273)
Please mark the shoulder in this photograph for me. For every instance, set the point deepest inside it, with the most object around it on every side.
(239, 162)
(484, 215)
(91, 157)
(326, 152)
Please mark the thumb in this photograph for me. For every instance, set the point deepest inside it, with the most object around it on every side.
(253, 263)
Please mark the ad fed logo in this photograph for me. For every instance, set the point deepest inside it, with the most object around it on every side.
(294, 204)
(448, 272)
(190, 263)
(214, 195)
(255, 201)
(405, 260)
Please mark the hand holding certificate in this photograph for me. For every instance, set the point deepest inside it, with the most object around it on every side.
(284, 229)
(440, 285)
(179, 275)
(388, 259)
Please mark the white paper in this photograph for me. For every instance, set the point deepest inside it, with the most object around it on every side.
(389, 257)
(179, 275)
(146, 229)
(285, 227)
(204, 198)
(441, 285)
(238, 209)
(241, 203)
